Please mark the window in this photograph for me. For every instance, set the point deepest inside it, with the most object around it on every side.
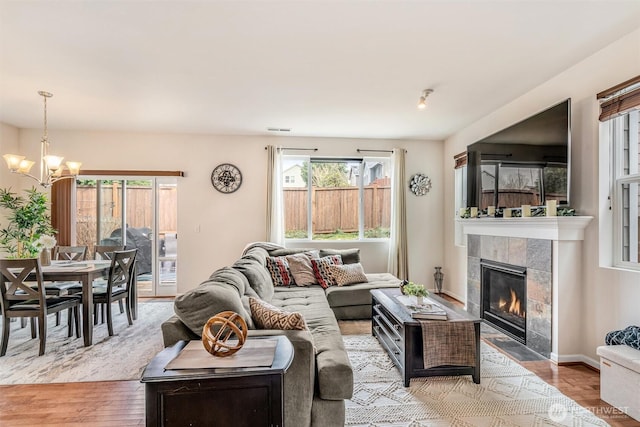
(337, 199)
(625, 143)
(620, 145)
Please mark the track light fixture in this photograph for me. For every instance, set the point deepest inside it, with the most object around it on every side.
(422, 103)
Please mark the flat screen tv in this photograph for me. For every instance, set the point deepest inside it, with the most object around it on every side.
(524, 164)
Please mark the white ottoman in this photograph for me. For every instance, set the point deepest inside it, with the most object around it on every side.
(620, 378)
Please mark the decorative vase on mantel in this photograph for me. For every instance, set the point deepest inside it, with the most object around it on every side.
(45, 257)
(438, 278)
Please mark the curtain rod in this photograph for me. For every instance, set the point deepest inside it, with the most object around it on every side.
(298, 149)
(362, 150)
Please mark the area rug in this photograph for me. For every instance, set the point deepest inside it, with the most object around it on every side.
(508, 395)
(120, 357)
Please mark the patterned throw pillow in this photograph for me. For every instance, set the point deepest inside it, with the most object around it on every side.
(280, 272)
(321, 269)
(267, 316)
(301, 269)
(347, 274)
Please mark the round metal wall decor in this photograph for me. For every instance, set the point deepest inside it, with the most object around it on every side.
(226, 178)
(420, 184)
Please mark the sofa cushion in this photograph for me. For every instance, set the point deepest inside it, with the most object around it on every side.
(267, 316)
(347, 274)
(257, 276)
(358, 294)
(335, 375)
(231, 277)
(301, 269)
(197, 306)
(321, 269)
(349, 256)
(289, 251)
(279, 270)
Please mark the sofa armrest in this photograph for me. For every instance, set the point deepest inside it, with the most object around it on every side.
(173, 330)
(299, 378)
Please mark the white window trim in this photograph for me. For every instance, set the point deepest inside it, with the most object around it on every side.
(610, 190)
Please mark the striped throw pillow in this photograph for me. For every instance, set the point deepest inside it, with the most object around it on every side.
(280, 272)
(321, 269)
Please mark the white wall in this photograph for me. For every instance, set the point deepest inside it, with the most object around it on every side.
(228, 222)
(8, 144)
(609, 298)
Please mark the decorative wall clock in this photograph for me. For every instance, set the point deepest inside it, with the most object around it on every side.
(226, 178)
(420, 184)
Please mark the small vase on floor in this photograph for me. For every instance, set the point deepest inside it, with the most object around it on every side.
(438, 277)
(45, 257)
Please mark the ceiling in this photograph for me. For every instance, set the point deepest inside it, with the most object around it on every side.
(342, 68)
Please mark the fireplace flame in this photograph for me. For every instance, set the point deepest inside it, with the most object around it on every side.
(512, 306)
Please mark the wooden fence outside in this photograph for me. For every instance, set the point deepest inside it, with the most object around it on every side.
(337, 208)
(139, 207)
(333, 209)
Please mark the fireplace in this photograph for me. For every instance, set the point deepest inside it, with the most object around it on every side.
(504, 297)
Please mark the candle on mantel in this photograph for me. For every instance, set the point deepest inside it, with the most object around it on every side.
(491, 210)
(506, 213)
(526, 210)
(462, 212)
(474, 212)
(552, 208)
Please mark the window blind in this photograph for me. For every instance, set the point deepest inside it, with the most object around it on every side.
(619, 99)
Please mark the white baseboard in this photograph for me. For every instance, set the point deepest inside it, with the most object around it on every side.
(574, 358)
(452, 295)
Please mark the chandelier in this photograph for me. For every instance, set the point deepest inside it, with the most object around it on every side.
(51, 167)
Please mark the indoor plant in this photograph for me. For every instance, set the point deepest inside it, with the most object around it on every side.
(27, 221)
(417, 290)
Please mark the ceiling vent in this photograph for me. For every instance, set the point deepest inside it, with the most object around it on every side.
(279, 129)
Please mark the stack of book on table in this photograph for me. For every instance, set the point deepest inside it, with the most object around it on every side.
(428, 310)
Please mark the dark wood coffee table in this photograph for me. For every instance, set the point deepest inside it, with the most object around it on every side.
(401, 336)
(220, 396)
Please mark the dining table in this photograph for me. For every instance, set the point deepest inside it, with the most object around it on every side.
(84, 272)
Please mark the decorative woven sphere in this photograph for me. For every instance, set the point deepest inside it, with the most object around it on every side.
(219, 329)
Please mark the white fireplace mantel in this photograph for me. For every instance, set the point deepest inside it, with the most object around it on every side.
(567, 236)
(547, 227)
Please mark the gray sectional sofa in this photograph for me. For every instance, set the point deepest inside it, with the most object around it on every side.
(320, 377)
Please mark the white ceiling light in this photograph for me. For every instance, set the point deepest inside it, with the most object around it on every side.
(51, 167)
(422, 103)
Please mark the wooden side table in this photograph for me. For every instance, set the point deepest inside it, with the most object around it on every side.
(249, 397)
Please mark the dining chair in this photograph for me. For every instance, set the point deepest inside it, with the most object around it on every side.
(19, 299)
(72, 253)
(120, 282)
(104, 252)
(68, 253)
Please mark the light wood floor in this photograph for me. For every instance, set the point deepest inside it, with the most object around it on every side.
(121, 403)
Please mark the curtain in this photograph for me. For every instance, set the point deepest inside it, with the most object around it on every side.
(398, 263)
(275, 211)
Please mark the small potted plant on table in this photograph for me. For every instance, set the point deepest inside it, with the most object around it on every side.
(416, 290)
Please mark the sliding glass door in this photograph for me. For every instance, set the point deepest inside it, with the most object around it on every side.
(135, 213)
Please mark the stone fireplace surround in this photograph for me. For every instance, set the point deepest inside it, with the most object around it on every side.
(535, 255)
(551, 249)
